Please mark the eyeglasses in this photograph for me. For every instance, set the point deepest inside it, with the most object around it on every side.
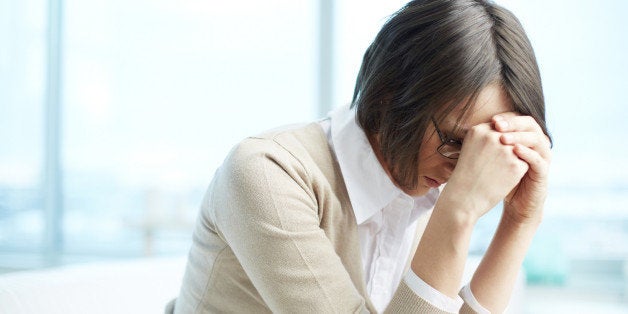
(449, 148)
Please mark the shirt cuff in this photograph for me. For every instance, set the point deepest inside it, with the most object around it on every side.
(473, 303)
(431, 295)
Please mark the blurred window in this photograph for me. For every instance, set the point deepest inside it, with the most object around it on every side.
(22, 94)
(153, 96)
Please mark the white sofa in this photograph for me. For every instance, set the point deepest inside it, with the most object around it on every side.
(135, 286)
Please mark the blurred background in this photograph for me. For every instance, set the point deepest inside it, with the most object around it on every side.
(115, 114)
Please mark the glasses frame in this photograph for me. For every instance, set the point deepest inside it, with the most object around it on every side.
(448, 146)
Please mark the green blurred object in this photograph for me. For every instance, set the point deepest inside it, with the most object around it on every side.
(546, 262)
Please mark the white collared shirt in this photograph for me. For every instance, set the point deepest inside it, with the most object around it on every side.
(387, 218)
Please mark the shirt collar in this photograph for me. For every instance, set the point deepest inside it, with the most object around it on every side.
(369, 187)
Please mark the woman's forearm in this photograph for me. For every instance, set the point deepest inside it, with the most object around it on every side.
(441, 255)
(495, 277)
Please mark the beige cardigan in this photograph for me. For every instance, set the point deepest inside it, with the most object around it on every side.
(276, 233)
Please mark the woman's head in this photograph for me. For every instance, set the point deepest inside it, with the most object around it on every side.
(432, 58)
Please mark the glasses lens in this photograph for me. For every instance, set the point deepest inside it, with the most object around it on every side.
(449, 151)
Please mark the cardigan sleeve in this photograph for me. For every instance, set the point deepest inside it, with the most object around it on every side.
(264, 206)
(265, 210)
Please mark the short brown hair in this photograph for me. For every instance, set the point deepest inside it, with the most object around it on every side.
(432, 56)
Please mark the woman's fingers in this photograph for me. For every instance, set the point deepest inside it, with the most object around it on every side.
(534, 140)
(511, 122)
(539, 165)
(524, 130)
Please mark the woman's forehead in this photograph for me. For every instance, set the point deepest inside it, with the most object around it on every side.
(490, 101)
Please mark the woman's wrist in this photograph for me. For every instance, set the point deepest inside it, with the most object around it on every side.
(462, 206)
(516, 217)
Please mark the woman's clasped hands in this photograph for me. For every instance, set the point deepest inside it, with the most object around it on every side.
(504, 159)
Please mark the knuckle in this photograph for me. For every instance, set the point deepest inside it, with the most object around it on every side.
(528, 122)
(541, 140)
(529, 119)
(491, 138)
(475, 130)
(480, 133)
(513, 164)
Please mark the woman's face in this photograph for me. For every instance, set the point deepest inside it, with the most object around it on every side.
(435, 169)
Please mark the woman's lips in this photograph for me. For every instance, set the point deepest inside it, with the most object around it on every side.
(432, 182)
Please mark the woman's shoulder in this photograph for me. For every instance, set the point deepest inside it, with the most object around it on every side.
(299, 151)
(301, 142)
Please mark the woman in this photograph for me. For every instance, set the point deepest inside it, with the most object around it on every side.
(349, 214)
